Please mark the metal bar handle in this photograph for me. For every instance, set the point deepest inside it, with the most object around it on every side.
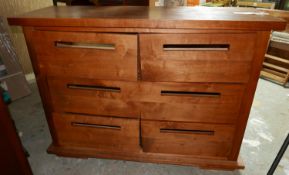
(77, 124)
(196, 47)
(187, 131)
(83, 45)
(93, 87)
(190, 93)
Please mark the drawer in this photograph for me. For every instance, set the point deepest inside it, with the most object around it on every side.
(97, 97)
(197, 57)
(87, 55)
(187, 138)
(114, 134)
(192, 102)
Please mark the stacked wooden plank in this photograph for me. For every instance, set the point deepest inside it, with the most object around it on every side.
(255, 4)
(276, 63)
(275, 67)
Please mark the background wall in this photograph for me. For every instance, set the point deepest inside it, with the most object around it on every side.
(16, 7)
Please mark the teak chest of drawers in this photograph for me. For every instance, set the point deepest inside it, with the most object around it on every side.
(165, 85)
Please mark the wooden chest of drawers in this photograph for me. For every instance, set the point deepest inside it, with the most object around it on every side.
(146, 84)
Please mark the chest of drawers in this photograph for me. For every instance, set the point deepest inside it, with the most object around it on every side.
(146, 84)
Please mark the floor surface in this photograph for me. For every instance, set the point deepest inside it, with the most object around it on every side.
(267, 128)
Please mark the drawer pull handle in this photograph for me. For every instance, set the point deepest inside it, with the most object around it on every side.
(92, 87)
(85, 45)
(188, 93)
(187, 131)
(196, 47)
(95, 126)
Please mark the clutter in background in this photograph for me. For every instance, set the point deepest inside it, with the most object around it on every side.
(12, 79)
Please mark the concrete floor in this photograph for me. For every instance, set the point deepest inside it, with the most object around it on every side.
(267, 128)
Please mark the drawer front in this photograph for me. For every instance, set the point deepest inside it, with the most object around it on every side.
(192, 102)
(97, 97)
(196, 57)
(98, 132)
(87, 55)
(187, 138)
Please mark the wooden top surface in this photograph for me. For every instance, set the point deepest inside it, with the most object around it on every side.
(150, 17)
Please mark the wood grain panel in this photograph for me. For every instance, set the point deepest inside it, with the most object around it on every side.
(96, 101)
(137, 30)
(195, 102)
(187, 138)
(224, 18)
(262, 42)
(196, 57)
(87, 55)
(97, 132)
(41, 82)
(177, 159)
